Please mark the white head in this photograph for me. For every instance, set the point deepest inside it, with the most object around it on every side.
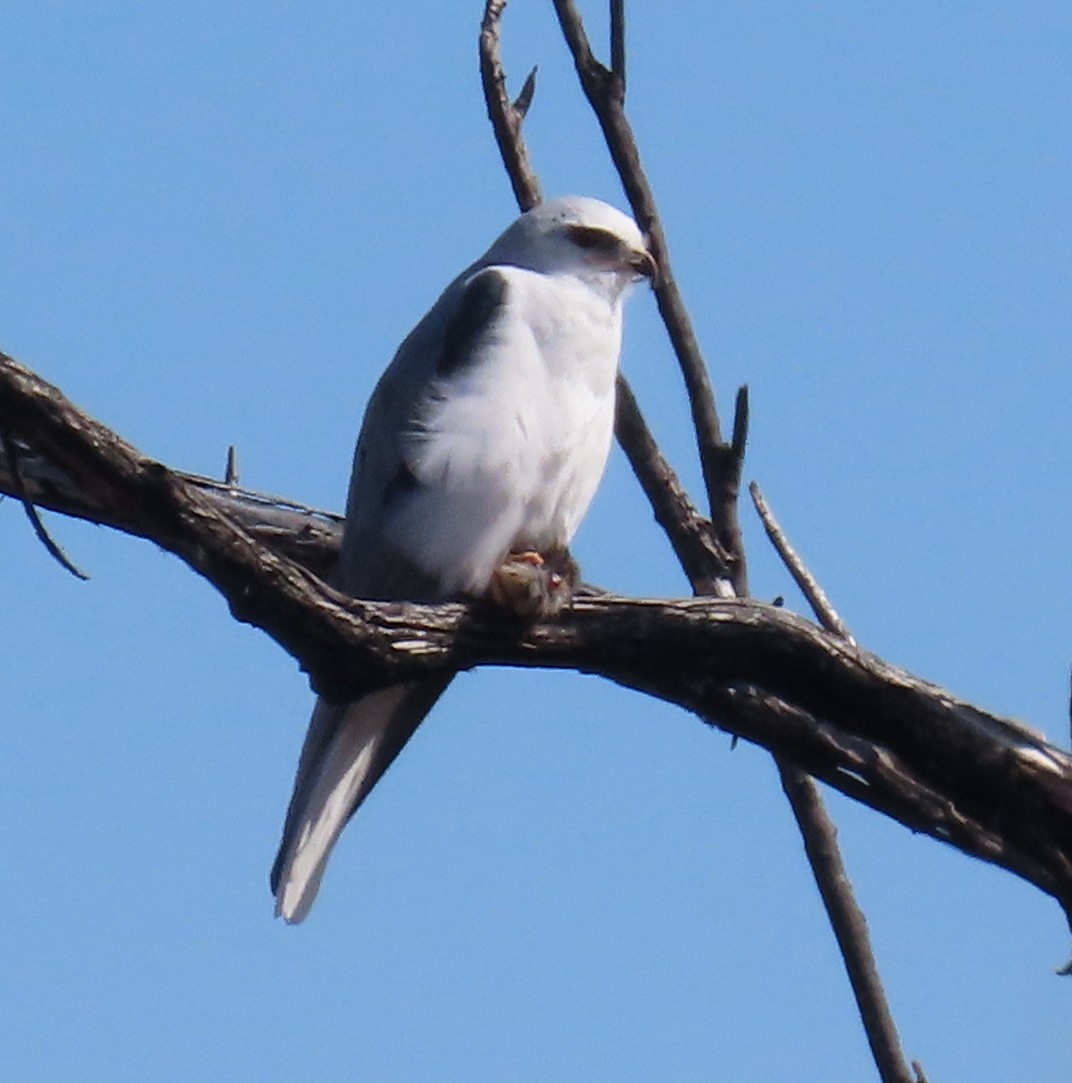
(577, 235)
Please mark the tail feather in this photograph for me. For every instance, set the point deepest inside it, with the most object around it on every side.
(347, 749)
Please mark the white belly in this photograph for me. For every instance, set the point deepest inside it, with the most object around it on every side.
(511, 450)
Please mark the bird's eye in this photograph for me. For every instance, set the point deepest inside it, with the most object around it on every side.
(593, 240)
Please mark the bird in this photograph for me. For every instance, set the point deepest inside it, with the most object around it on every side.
(481, 448)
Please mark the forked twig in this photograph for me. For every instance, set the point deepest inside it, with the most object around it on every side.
(506, 117)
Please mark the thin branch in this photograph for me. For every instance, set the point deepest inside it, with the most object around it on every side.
(740, 427)
(617, 42)
(703, 560)
(523, 102)
(820, 842)
(719, 461)
(230, 470)
(506, 116)
(722, 465)
(847, 921)
(824, 612)
(731, 463)
(19, 487)
(707, 564)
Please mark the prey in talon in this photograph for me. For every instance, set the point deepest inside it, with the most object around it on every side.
(533, 586)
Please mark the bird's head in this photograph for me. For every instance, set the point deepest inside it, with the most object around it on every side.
(581, 236)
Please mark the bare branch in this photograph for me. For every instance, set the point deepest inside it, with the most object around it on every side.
(18, 489)
(722, 465)
(617, 41)
(707, 564)
(820, 842)
(528, 91)
(847, 921)
(704, 561)
(306, 535)
(230, 471)
(731, 462)
(809, 586)
(985, 784)
(740, 427)
(506, 117)
(719, 461)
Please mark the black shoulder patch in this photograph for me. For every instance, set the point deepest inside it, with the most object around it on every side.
(483, 296)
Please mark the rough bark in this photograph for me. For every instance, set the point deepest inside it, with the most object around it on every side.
(908, 748)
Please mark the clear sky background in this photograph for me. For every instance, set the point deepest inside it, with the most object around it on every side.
(217, 223)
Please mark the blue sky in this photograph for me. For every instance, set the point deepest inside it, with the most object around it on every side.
(218, 222)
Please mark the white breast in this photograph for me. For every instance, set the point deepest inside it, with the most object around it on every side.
(511, 449)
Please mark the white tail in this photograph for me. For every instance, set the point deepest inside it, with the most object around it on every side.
(339, 785)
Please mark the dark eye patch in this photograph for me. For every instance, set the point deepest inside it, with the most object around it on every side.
(592, 239)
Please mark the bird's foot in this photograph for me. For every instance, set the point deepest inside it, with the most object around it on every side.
(535, 585)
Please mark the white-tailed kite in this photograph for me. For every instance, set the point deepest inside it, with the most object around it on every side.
(480, 451)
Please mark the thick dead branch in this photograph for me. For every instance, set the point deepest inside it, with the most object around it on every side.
(305, 535)
(905, 747)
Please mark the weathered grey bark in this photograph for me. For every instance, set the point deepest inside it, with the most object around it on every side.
(908, 748)
(303, 534)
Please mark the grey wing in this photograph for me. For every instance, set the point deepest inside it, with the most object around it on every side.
(440, 347)
(349, 746)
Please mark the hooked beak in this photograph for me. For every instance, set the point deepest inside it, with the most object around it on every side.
(643, 263)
